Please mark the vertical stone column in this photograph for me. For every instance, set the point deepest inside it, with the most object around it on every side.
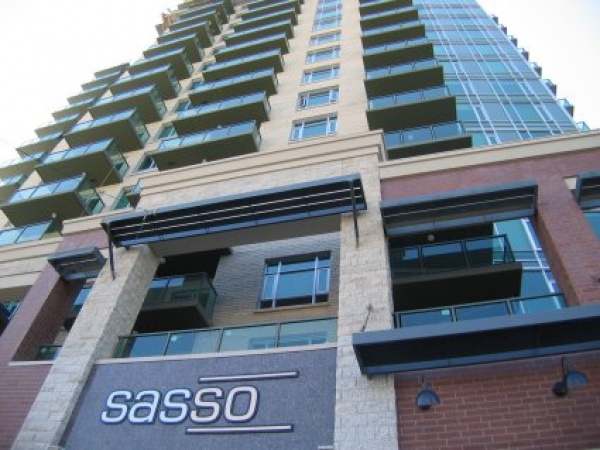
(365, 410)
(110, 311)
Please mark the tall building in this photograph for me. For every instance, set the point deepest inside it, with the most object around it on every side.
(306, 225)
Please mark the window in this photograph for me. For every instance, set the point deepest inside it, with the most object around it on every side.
(321, 74)
(321, 55)
(593, 217)
(318, 98)
(312, 128)
(325, 38)
(146, 164)
(167, 131)
(296, 281)
(327, 22)
(182, 106)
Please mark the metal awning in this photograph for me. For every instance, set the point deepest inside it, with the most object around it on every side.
(480, 341)
(587, 191)
(259, 209)
(79, 264)
(459, 208)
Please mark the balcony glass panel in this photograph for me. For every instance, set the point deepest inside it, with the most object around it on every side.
(423, 134)
(388, 12)
(245, 36)
(207, 86)
(388, 101)
(307, 333)
(47, 352)
(395, 46)
(431, 317)
(483, 311)
(392, 28)
(190, 342)
(123, 115)
(204, 136)
(224, 104)
(237, 61)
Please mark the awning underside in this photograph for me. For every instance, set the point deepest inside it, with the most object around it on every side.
(259, 208)
(459, 208)
(79, 264)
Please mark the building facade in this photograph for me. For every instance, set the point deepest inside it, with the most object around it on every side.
(306, 225)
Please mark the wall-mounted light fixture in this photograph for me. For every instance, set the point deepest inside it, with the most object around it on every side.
(570, 379)
(426, 398)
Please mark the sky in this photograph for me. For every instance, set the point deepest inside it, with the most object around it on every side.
(48, 48)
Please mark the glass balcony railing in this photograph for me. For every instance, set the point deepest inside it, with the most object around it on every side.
(272, 6)
(276, 40)
(162, 77)
(388, 13)
(218, 84)
(567, 105)
(206, 136)
(170, 291)
(11, 181)
(397, 69)
(146, 101)
(124, 95)
(227, 103)
(391, 28)
(60, 121)
(266, 19)
(32, 158)
(47, 352)
(238, 37)
(482, 310)
(389, 101)
(178, 58)
(238, 61)
(122, 115)
(28, 233)
(583, 127)
(395, 46)
(202, 29)
(212, 340)
(420, 135)
(451, 256)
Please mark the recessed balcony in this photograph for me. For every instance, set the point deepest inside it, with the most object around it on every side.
(228, 111)
(20, 166)
(163, 78)
(262, 80)
(8, 185)
(57, 126)
(218, 143)
(42, 144)
(411, 76)
(65, 199)
(271, 7)
(90, 94)
(202, 30)
(70, 110)
(411, 109)
(243, 338)
(189, 42)
(251, 63)
(393, 16)
(178, 59)
(146, 101)
(241, 37)
(451, 272)
(101, 161)
(374, 6)
(392, 33)
(267, 19)
(271, 42)
(435, 138)
(125, 127)
(398, 52)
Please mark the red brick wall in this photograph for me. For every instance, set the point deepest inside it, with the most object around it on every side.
(501, 406)
(568, 240)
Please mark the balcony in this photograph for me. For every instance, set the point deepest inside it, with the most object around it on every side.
(69, 110)
(218, 143)
(425, 140)
(398, 52)
(40, 145)
(388, 17)
(212, 340)
(90, 94)
(480, 310)
(393, 33)
(229, 111)
(272, 7)
(374, 6)
(20, 166)
(65, 199)
(411, 76)
(219, 8)
(263, 80)
(213, 19)
(101, 161)
(178, 59)
(267, 19)
(146, 101)
(271, 42)
(411, 109)
(119, 68)
(125, 127)
(451, 272)
(29, 233)
(241, 37)
(57, 126)
(568, 106)
(202, 30)
(252, 63)
(189, 42)
(107, 78)
(163, 78)
(9, 185)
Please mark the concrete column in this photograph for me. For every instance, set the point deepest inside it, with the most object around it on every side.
(365, 411)
(110, 311)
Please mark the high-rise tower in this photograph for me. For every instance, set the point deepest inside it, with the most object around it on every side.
(305, 224)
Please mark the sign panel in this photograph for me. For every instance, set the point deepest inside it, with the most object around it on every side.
(270, 401)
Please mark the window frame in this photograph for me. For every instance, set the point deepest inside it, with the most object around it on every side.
(333, 72)
(331, 127)
(269, 299)
(305, 97)
(333, 36)
(322, 54)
